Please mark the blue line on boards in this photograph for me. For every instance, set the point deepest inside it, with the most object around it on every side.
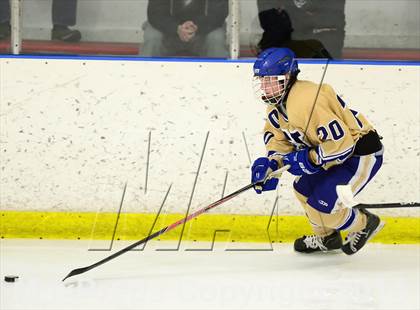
(213, 60)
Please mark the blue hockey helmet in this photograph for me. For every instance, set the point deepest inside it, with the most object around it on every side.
(276, 61)
(275, 71)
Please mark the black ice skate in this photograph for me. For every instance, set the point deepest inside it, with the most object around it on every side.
(356, 240)
(313, 243)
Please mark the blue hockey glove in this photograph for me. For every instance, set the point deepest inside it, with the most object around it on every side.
(259, 170)
(299, 163)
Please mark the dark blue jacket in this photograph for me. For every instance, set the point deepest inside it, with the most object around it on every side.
(166, 15)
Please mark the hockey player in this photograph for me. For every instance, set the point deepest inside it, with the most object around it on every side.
(325, 143)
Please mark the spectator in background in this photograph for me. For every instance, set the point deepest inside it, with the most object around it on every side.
(311, 28)
(63, 16)
(186, 28)
(276, 24)
(322, 20)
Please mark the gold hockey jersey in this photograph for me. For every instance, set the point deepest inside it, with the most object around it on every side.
(328, 126)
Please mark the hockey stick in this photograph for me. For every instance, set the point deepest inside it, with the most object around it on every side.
(345, 195)
(78, 271)
(387, 205)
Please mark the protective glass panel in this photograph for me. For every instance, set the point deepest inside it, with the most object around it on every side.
(351, 29)
(161, 28)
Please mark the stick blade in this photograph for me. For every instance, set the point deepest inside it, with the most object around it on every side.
(75, 272)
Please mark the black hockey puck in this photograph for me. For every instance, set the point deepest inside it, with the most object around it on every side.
(10, 278)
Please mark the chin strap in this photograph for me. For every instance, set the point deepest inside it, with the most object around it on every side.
(292, 80)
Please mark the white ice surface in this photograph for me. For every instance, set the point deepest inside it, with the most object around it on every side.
(379, 277)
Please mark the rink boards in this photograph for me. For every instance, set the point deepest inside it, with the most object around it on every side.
(181, 134)
(229, 229)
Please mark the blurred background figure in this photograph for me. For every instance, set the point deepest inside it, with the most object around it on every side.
(186, 28)
(311, 28)
(63, 16)
(276, 24)
(322, 20)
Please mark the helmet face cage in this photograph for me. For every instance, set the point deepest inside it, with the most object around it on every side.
(270, 89)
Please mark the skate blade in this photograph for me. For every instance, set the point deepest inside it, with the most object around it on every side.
(332, 252)
(328, 252)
